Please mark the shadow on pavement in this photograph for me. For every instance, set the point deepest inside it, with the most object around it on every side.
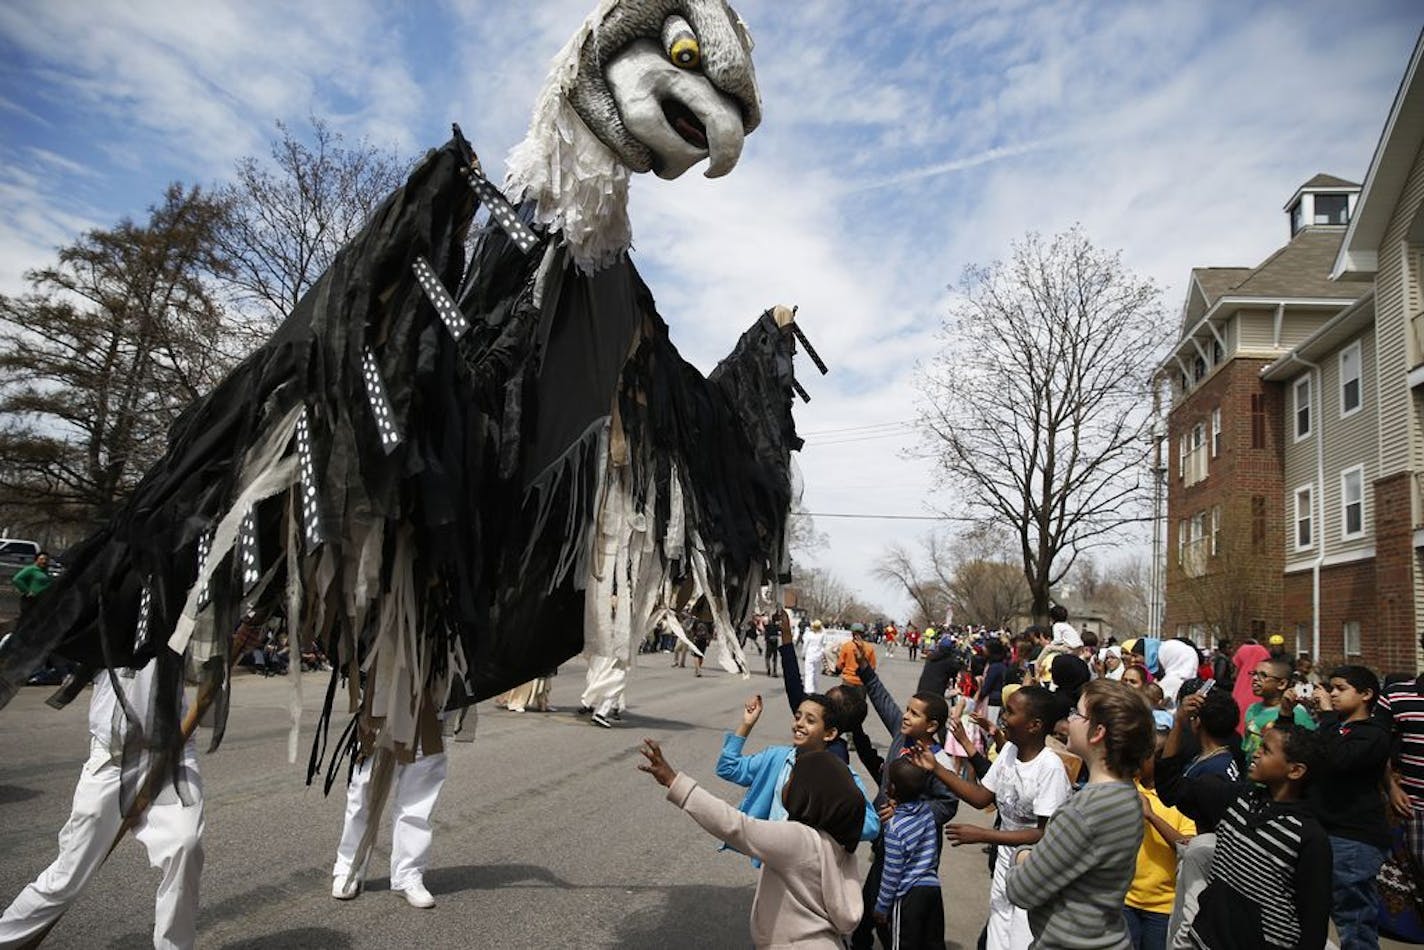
(297, 937)
(489, 877)
(9, 794)
(698, 916)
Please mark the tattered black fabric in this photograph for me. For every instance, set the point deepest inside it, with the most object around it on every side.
(419, 497)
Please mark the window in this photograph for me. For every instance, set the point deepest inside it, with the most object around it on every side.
(1215, 531)
(1352, 502)
(1181, 540)
(1196, 462)
(1304, 535)
(1302, 407)
(1332, 209)
(1297, 215)
(1216, 432)
(1258, 523)
(1258, 421)
(1301, 630)
(1350, 396)
(1182, 456)
(1351, 633)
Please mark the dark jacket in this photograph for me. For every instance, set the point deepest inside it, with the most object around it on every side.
(1349, 798)
(1269, 884)
(942, 801)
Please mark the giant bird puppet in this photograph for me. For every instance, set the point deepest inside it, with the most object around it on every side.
(455, 476)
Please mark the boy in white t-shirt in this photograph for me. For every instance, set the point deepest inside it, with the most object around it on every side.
(1026, 783)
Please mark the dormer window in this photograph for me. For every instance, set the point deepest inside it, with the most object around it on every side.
(1297, 216)
(1332, 209)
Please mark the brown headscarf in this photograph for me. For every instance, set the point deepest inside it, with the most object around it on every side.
(821, 793)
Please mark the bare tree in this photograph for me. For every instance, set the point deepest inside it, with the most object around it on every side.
(972, 573)
(112, 343)
(802, 536)
(292, 214)
(1125, 595)
(1036, 405)
(898, 566)
(826, 597)
(1223, 581)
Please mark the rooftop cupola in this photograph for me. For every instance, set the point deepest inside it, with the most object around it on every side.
(1323, 202)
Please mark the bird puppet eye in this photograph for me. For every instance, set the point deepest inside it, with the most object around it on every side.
(681, 43)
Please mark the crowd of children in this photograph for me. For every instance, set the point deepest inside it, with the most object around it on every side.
(1140, 798)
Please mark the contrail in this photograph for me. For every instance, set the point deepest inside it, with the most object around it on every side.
(954, 165)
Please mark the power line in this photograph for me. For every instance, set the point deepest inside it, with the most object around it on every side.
(867, 516)
(850, 440)
(873, 425)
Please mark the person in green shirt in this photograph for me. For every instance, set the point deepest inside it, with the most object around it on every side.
(32, 580)
(1270, 680)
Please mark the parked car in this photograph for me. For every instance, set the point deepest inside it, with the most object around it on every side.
(16, 553)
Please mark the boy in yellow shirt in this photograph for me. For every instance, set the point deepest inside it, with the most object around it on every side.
(1148, 905)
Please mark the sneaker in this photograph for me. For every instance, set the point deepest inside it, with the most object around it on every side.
(345, 888)
(584, 711)
(416, 895)
(599, 720)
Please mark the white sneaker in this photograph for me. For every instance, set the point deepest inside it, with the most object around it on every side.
(416, 895)
(345, 888)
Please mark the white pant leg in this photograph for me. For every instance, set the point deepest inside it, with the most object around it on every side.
(809, 669)
(358, 815)
(173, 835)
(417, 786)
(1008, 925)
(1192, 877)
(84, 841)
(614, 683)
(596, 681)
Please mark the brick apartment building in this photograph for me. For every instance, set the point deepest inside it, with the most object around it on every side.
(1293, 498)
(1225, 490)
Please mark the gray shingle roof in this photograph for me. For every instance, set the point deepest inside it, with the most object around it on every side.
(1323, 180)
(1300, 269)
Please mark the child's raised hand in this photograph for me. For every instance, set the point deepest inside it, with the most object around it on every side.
(887, 810)
(751, 712)
(923, 756)
(956, 728)
(656, 766)
(1189, 706)
(982, 721)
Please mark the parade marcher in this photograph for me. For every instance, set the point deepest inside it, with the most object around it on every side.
(414, 787)
(170, 828)
(849, 661)
(814, 647)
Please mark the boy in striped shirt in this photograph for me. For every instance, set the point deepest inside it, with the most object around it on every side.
(909, 902)
(1270, 876)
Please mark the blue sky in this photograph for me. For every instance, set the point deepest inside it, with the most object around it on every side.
(901, 141)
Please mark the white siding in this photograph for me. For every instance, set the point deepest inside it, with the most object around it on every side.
(1398, 428)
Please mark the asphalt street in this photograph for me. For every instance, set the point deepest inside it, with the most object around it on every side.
(546, 834)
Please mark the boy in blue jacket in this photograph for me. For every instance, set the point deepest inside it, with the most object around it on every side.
(765, 773)
(922, 720)
(909, 904)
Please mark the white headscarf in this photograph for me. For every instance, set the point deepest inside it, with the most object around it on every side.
(1114, 651)
(1179, 661)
